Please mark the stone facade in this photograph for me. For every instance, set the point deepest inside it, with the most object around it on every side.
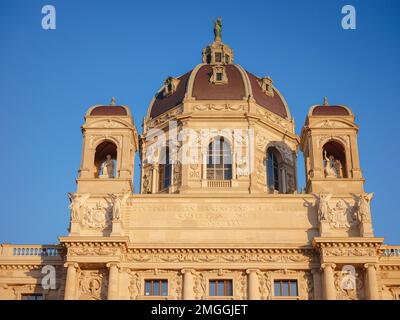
(248, 229)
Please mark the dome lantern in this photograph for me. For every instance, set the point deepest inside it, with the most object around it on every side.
(217, 52)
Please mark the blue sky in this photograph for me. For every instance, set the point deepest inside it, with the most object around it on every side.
(100, 49)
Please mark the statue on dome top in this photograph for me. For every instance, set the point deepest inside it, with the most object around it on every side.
(218, 30)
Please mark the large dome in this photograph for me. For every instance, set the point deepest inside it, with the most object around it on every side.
(239, 85)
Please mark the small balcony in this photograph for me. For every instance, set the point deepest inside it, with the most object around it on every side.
(218, 184)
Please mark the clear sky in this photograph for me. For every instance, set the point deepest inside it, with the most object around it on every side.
(100, 49)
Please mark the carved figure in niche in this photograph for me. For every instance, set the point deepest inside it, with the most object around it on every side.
(76, 203)
(323, 206)
(107, 167)
(332, 167)
(363, 207)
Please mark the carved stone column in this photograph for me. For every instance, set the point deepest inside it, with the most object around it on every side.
(188, 284)
(329, 281)
(317, 281)
(113, 278)
(253, 287)
(70, 283)
(154, 178)
(204, 169)
(372, 284)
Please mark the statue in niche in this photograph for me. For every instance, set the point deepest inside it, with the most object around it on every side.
(107, 168)
(118, 202)
(363, 207)
(332, 166)
(323, 206)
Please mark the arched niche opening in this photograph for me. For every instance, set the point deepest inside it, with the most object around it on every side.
(105, 160)
(274, 170)
(165, 169)
(334, 155)
(219, 159)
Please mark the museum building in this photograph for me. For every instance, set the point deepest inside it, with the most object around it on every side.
(218, 214)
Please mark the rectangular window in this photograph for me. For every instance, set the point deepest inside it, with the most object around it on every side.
(156, 287)
(218, 57)
(219, 76)
(285, 288)
(221, 288)
(226, 58)
(32, 296)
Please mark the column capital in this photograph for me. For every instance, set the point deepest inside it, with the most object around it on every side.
(254, 270)
(112, 264)
(71, 264)
(327, 265)
(370, 265)
(187, 270)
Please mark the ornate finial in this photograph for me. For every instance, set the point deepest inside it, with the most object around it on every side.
(218, 30)
(325, 101)
(113, 101)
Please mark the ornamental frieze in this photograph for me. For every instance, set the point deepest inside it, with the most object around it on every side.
(218, 258)
(92, 251)
(219, 107)
(347, 252)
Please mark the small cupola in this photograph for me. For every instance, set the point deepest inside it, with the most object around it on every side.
(217, 52)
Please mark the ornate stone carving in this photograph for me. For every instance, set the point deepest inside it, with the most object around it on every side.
(218, 257)
(118, 202)
(92, 251)
(346, 252)
(97, 217)
(219, 107)
(363, 211)
(323, 206)
(339, 216)
(77, 202)
(349, 292)
(92, 285)
(134, 285)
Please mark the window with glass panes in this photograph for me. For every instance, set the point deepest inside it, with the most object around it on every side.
(221, 287)
(285, 288)
(156, 287)
(272, 170)
(165, 171)
(219, 162)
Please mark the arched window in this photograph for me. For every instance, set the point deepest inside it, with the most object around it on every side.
(273, 158)
(219, 160)
(165, 170)
(105, 160)
(334, 162)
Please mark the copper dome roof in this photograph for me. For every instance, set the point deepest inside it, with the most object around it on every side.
(196, 84)
(330, 111)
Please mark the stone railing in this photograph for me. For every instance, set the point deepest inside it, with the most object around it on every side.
(20, 251)
(219, 183)
(390, 251)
